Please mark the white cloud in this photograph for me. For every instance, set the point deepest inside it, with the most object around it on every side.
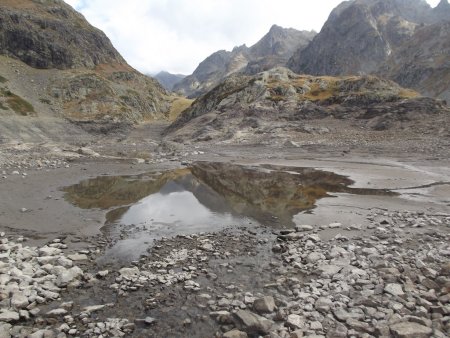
(175, 35)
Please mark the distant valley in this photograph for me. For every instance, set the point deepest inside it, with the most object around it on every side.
(168, 80)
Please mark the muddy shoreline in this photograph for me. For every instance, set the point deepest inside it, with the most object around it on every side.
(196, 285)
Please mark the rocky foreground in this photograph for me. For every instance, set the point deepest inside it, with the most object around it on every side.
(390, 278)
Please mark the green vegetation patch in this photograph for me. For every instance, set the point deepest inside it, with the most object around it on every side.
(46, 101)
(18, 104)
(276, 98)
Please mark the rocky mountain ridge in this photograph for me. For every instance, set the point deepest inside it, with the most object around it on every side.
(422, 62)
(279, 104)
(274, 49)
(168, 80)
(364, 37)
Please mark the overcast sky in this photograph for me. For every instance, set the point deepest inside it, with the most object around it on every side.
(176, 35)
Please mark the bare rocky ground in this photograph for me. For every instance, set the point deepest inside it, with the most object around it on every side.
(355, 266)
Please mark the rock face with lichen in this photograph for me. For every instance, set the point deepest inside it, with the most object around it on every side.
(279, 101)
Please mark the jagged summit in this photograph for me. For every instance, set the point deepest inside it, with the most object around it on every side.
(239, 48)
(363, 36)
(274, 49)
(443, 4)
(280, 41)
(442, 11)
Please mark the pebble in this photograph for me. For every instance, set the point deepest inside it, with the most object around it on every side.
(9, 316)
(304, 227)
(394, 289)
(410, 330)
(149, 320)
(264, 305)
(40, 281)
(253, 323)
(339, 287)
(78, 257)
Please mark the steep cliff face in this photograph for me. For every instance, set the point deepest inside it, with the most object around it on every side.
(279, 102)
(441, 11)
(364, 37)
(65, 69)
(359, 36)
(423, 62)
(274, 49)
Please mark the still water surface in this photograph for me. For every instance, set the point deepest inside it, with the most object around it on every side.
(205, 197)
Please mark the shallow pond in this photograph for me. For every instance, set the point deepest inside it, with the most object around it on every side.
(208, 196)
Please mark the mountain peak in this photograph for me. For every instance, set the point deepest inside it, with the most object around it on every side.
(240, 48)
(273, 49)
(168, 80)
(275, 28)
(443, 4)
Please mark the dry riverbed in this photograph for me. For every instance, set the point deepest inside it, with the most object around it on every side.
(354, 265)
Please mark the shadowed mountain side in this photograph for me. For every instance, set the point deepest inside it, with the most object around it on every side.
(50, 34)
(404, 40)
(423, 62)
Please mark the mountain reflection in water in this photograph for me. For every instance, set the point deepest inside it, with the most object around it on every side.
(211, 194)
(205, 197)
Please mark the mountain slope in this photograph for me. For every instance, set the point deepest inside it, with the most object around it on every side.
(212, 70)
(50, 34)
(371, 36)
(67, 70)
(358, 36)
(274, 49)
(441, 11)
(423, 62)
(168, 80)
(279, 105)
